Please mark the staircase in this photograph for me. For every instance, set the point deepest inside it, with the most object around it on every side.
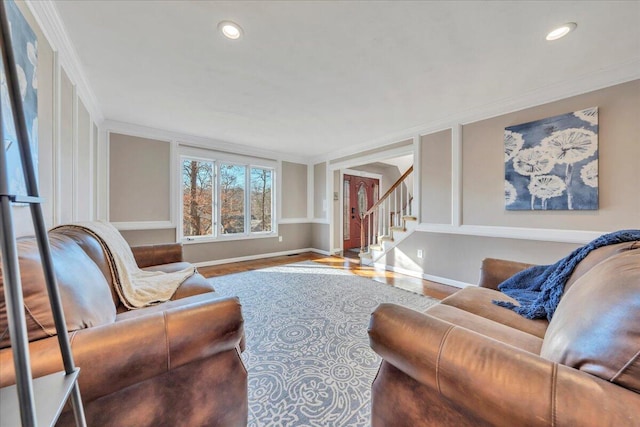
(389, 221)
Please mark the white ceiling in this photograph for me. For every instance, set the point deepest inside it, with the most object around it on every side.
(311, 78)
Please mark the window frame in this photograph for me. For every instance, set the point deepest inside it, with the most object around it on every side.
(218, 159)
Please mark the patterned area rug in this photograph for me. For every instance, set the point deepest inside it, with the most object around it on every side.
(308, 353)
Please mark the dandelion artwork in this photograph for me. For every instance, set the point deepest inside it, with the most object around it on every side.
(25, 46)
(552, 164)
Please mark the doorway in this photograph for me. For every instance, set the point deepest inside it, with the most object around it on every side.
(360, 194)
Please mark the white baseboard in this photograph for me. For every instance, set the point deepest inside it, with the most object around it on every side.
(445, 281)
(420, 275)
(321, 252)
(258, 256)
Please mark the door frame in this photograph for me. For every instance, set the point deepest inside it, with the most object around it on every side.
(411, 145)
(353, 172)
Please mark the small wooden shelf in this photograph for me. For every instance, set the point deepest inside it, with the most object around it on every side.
(50, 394)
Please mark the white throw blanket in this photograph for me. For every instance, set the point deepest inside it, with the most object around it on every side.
(136, 288)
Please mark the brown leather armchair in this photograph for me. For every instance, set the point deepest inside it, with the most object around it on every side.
(172, 364)
(468, 362)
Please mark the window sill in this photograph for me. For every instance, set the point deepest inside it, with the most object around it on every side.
(228, 238)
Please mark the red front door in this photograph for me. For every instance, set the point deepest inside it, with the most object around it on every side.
(360, 195)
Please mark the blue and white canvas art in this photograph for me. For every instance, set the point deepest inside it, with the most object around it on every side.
(25, 45)
(552, 164)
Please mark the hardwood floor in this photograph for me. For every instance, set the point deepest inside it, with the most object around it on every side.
(432, 289)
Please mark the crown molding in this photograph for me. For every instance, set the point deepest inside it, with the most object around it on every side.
(611, 76)
(115, 126)
(48, 18)
(51, 24)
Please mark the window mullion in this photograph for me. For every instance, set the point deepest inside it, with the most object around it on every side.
(247, 200)
(215, 200)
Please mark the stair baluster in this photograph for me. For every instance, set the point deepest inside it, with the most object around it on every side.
(389, 213)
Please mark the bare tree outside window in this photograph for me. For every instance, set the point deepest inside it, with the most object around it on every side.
(197, 198)
(232, 187)
(237, 199)
(261, 202)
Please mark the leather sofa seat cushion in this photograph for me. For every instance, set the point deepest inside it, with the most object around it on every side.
(596, 327)
(478, 301)
(83, 290)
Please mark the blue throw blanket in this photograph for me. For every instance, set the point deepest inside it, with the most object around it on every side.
(538, 289)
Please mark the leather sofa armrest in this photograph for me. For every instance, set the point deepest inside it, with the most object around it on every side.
(495, 271)
(124, 353)
(493, 381)
(150, 255)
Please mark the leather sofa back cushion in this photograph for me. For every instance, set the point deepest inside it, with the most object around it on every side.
(596, 327)
(595, 257)
(92, 247)
(85, 294)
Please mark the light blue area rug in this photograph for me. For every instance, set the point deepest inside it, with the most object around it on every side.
(308, 353)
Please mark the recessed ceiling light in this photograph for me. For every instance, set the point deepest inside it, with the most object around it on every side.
(230, 30)
(561, 31)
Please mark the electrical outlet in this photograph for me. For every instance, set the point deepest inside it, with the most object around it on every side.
(279, 238)
(420, 253)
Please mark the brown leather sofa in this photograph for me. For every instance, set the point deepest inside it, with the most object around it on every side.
(173, 364)
(468, 362)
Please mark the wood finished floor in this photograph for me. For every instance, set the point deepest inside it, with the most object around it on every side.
(432, 289)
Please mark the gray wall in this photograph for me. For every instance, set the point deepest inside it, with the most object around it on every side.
(294, 190)
(390, 174)
(458, 257)
(139, 188)
(139, 179)
(294, 237)
(149, 237)
(377, 150)
(84, 183)
(320, 190)
(336, 213)
(320, 237)
(619, 147)
(435, 159)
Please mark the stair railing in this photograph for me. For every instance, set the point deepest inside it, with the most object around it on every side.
(386, 214)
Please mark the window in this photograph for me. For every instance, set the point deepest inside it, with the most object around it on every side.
(224, 198)
(197, 198)
(232, 183)
(261, 200)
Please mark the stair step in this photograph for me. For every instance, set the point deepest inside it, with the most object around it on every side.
(375, 247)
(409, 218)
(399, 228)
(386, 238)
(365, 255)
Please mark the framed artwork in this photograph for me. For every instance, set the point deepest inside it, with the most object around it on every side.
(552, 164)
(25, 45)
